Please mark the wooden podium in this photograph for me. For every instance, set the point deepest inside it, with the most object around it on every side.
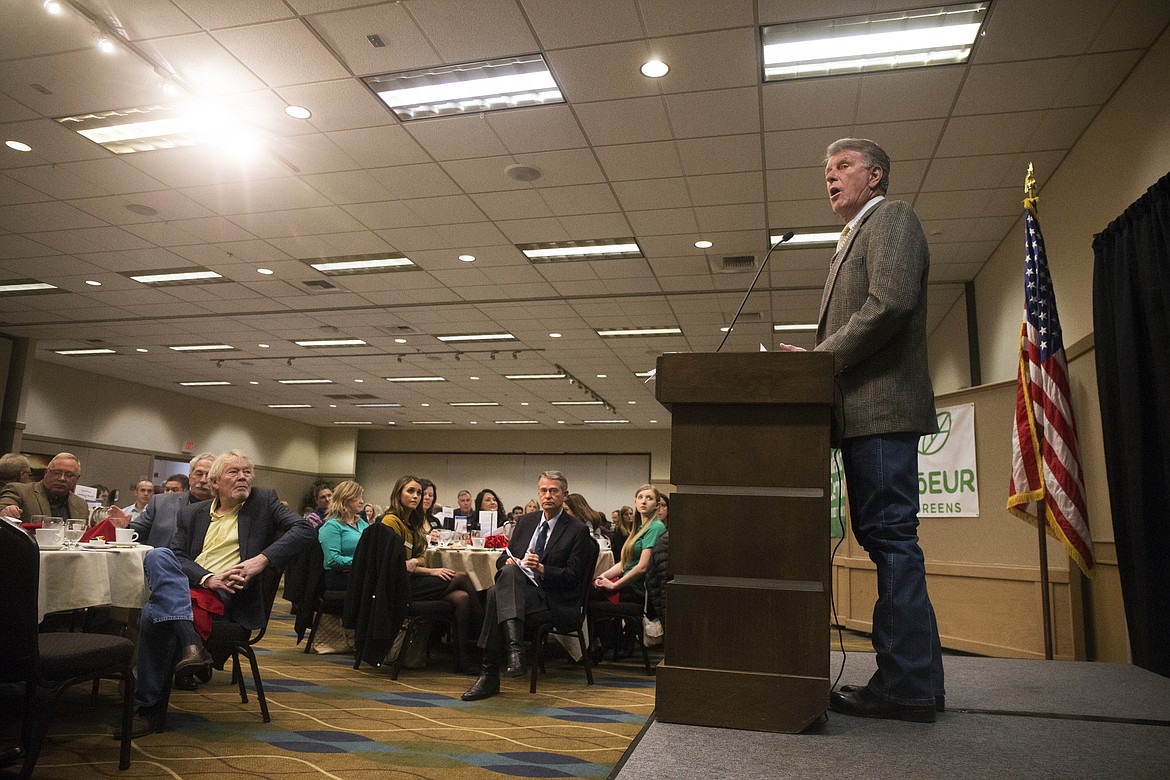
(747, 635)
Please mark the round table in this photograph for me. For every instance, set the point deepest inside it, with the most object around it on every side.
(76, 578)
(480, 563)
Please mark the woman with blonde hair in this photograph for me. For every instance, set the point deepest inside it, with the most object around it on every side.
(406, 519)
(531, 506)
(339, 534)
(579, 508)
(626, 576)
(624, 528)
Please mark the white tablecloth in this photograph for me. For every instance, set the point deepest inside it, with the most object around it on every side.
(79, 578)
(480, 564)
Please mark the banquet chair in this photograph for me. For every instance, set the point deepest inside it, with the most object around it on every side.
(625, 613)
(316, 600)
(54, 661)
(542, 631)
(231, 640)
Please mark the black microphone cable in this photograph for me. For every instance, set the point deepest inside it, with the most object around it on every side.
(786, 237)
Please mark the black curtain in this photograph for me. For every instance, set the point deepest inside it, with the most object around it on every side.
(1131, 313)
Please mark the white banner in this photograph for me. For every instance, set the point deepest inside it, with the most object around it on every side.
(948, 485)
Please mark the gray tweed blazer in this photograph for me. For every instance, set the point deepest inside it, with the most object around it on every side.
(873, 320)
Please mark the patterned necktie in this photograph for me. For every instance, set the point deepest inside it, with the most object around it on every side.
(541, 538)
(842, 238)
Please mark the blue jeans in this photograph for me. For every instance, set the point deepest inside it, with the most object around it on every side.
(160, 628)
(881, 474)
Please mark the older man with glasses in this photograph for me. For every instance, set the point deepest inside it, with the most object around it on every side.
(53, 495)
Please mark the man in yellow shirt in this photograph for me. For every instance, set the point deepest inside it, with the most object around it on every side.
(221, 547)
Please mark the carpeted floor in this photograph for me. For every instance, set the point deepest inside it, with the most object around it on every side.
(329, 720)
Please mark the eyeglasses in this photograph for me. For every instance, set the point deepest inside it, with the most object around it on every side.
(59, 473)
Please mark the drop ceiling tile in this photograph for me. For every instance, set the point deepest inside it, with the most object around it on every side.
(470, 234)
(798, 184)
(51, 144)
(726, 188)
(653, 194)
(604, 72)
(679, 266)
(1010, 29)
(212, 14)
(708, 61)
(282, 53)
(450, 209)
(913, 140)
(12, 191)
(596, 226)
(49, 215)
(201, 61)
(988, 133)
(537, 129)
(485, 174)
(457, 137)
(345, 31)
(499, 25)
(748, 216)
(1061, 128)
(195, 166)
(799, 148)
(672, 17)
(955, 272)
(582, 199)
(256, 196)
(802, 103)
(418, 181)
(721, 154)
(295, 222)
(533, 231)
(378, 147)
(560, 25)
(52, 181)
(961, 252)
(515, 204)
(408, 239)
(722, 112)
(346, 187)
(624, 121)
(640, 161)
(312, 153)
(338, 105)
(385, 214)
(916, 93)
(659, 222)
(1133, 23)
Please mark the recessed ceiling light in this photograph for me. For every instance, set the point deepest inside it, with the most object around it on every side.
(174, 276)
(478, 337)
(470, 87)
(305, 381)
(826, 236)
(472, 403)
(265, 271)
(415, 379)
(467, 258)
(141, 349)
(399, 341)
(361, 264)
(215, 383)
(554, 335)
(85, 352)
(517, 422)
(200, 347)
(298, 112)
(53, 7)
(93, 283)
(809, 326)
(703, 244)
(473, 422)
(534, 376)
(19, 146)
(623, 332)
(375, 406)
(576, 403)
(25, 286)
(941, 35)
(331, 343)
(655, 69)
(550, 251)
(290, 406)
(105, 45)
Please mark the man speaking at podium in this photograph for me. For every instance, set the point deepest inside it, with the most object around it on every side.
(873, 321)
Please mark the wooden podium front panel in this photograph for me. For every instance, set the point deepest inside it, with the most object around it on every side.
(749, 445)
(763, 537)
(739, 700)
(765, 628)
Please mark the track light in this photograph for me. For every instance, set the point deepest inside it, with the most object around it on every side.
(515, 355)
(219, 364)
(400, 358)
(458, 356)
(290, 360)
(493, 356)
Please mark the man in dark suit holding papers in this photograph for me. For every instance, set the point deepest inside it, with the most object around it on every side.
(873, 321)
(540, 576)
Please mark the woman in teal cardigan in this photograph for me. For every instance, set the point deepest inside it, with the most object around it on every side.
(340, 532)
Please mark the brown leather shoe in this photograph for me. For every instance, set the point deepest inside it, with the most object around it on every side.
(940, 701)
(863, 703)
(193, 659)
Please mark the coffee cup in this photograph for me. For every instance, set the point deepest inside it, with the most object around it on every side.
(477, 541)
(125, 535)
(50, 537)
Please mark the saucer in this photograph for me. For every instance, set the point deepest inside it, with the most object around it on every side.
(123, 545)
(44, 547)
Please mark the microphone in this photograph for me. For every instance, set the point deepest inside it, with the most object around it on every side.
(786, 237)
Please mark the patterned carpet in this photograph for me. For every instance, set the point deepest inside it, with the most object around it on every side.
(331, 721)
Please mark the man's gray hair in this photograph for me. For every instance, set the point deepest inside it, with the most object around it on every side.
(12, 465)
(202, 456)
(220, 463)
(65, 456)
(555, 476)
(871, 154)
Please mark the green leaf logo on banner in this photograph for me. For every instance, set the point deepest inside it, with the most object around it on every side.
(931, 444)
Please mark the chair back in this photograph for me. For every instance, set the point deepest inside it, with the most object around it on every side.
(269, 584)
(19, 591)
(591, 566)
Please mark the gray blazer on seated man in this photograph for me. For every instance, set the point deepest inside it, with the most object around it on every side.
(159, 521)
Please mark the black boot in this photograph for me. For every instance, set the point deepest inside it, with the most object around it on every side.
(486, 686)
(514, 649)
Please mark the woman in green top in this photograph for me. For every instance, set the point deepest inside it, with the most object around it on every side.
(627, 575)
(405, 517)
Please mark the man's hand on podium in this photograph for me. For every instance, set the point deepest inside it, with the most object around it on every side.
(790, 348)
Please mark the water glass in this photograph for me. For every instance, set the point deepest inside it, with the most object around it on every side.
(74, 530)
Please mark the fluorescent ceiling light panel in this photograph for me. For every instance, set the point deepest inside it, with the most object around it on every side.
(331, 343)
(201, 347)
(290, 406)
(812, 326)
(85, 352)
(576, 403)
(645, 374)
(25, 287)
(622, 332)
(174, 276)
(375, 406)
(472, 403)
(216, 383)
(147, 128)
(415, 379)
(431, 422)
(592, 249)
(305, 381)
(352, 422)
(810, 237)
(478, 337)
(604, 422)
(942, 35)
(517, 422)
(362, 264)
(470, 87)
(534, 376)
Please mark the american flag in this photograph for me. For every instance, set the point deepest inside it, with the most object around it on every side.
(1045, 464)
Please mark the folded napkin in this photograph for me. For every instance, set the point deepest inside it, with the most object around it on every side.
(204, 604)
(105, 529)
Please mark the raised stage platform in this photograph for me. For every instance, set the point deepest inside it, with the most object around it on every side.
(1005, 719)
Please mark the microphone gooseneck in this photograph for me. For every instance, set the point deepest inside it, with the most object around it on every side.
(786, 237)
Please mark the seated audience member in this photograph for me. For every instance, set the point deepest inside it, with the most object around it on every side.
(552, 549)
(14, 467)
(176, 483)
(624, 528)
(578, 507)
(626, 576)
(405, 518)
(103, 494)
(159, 522)
(531, 506)
(340, 533)
(214, 561)
(53, 495)
(663, 507)
(465, 506)
(143, 492)
(431, 508)
(517, 511)
(487, 500)
(658, 575)
(317, 515)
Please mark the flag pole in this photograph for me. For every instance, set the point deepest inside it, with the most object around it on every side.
(1032, 203)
